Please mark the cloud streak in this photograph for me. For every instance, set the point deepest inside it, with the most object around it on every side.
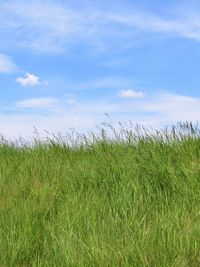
(41, 102)
(7, 65)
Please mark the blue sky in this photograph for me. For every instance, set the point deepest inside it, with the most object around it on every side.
(65, 64)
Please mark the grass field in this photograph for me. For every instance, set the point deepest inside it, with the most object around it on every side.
(131, 198)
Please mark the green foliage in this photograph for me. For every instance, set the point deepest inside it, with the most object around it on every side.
(121, 198)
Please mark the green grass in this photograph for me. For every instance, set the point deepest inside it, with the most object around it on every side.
(132, 199)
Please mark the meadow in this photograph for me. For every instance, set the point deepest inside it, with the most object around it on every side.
(126, 197)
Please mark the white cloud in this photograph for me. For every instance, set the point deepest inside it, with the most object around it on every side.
(30, 80)
(42, 102)
(131, 93)
(7, 65)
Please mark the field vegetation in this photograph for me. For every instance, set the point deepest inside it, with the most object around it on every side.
(126, 197)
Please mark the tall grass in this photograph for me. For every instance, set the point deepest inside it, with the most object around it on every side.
(126, 197)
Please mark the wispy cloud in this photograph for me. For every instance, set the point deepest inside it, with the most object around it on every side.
(43, 27)
(157, 110)
(52, 26)
(42, 102)
(131, 93)
(187, 26)
(174, 107)
(30, 80)
(7, 65)
(107, 82)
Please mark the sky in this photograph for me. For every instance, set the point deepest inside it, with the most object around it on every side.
(66, 64)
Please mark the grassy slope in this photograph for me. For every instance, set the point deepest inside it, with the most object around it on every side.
(120, 204)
